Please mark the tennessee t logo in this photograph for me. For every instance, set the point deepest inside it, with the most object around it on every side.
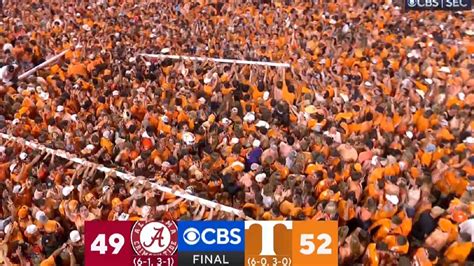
(268, 234)
(158, 237)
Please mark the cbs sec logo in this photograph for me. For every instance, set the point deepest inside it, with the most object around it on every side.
(154, 238)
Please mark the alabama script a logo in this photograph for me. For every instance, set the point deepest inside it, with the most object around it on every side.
(154, 238)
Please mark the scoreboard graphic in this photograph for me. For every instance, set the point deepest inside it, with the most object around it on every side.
(250, 243)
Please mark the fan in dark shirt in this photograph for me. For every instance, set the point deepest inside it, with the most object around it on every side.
(424, 226)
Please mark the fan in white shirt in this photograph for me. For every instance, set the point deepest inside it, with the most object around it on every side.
(7, 73)
(467, 227)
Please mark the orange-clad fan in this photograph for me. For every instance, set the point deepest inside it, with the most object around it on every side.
(371, 126)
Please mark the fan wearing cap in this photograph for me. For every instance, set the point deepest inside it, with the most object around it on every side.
(92, 203)
(76, 247)
(32, 234)
(254, 155)
(13, 233)
(19, 173)
(40, 219)
(53, 227)
(51, 237)
(80, 218)
(117, 207)
(24, 218)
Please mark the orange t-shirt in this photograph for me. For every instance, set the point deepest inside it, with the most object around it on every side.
(458, 252)
(23, 175)
(4, 171)
(77, 70)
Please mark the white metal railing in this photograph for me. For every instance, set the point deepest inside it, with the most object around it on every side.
(45, 63)
(219, 60)
(124, 176)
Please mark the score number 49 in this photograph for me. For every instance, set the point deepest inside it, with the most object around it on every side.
(308, 247)
(115, 241)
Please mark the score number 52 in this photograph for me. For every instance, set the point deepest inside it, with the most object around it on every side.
(116, 241)
(308, 247)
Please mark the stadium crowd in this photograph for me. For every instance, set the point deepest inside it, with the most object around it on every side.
(371, 125)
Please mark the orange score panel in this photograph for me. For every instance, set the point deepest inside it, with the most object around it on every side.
(314, 243)
(286, 243)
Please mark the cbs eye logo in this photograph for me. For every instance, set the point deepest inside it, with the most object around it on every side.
(191, 236)
(212, 236)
